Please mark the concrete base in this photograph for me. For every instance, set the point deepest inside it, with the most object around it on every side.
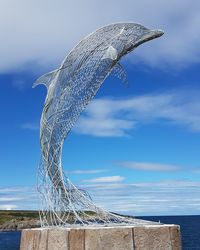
(144, 237)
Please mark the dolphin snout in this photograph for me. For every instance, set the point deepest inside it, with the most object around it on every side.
(151, 34)
(157, 33)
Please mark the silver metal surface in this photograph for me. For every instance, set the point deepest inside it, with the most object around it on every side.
(69, 89)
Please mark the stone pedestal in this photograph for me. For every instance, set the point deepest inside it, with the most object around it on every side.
(139, 237)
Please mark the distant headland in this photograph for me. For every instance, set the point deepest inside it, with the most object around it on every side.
(13, 220)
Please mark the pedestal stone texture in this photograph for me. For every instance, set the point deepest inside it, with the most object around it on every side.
(144, 237)
(152, 237)
(109, 238)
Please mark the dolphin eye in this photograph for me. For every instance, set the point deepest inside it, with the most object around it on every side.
(122, 30)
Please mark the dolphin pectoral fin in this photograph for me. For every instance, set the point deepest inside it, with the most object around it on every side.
(119, 72)
(111, 53)
(45, 79)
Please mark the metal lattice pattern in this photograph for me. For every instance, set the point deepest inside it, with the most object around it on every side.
(70, 89)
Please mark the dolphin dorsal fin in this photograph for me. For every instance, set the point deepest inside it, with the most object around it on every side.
(45, 79)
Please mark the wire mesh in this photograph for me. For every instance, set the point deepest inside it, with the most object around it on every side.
(70, 89)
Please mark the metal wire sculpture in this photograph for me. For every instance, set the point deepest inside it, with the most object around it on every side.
(69, 89)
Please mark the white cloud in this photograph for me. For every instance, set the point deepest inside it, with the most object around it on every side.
(9, 189)
(5, 199)
(16, 189)
(8, 207)
(102, 115)
(40, 33)
(109, 117)
(169, 197)
(105, 179)
(103, 128)
(149, 166)
(16, 197)
(87, 171)
(30, 126)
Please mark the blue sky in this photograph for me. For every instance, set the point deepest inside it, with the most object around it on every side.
(136, 147)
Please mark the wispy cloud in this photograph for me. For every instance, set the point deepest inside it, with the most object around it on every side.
(196, 170)
(30, 126)
(109, 117)
(87, 171)
(4, 190)
(106, 179)
(104, 128)
(117, 117)
(5, 199)
(167, 197)
(8, 207)
(18, 198)
(149, 166)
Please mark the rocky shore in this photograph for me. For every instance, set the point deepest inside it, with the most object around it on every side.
(17, 220)
(14, 225)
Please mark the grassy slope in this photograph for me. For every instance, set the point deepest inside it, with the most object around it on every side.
(7, 216)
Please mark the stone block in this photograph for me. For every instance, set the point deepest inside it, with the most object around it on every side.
(135, 237)
(57, 239)
(77, 239)
(30, 240)
(175, 237)
(152, 238)
(109, 239)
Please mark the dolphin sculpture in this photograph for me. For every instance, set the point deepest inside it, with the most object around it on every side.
(69, 90)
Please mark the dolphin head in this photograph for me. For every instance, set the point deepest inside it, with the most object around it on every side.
(133, 34)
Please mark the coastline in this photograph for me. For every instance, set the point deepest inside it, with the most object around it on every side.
(16, 220)
(189, 225)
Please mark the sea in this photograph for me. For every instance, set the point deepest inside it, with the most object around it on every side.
(190, 231)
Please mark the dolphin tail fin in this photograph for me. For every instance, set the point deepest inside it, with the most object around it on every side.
(45, 79)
